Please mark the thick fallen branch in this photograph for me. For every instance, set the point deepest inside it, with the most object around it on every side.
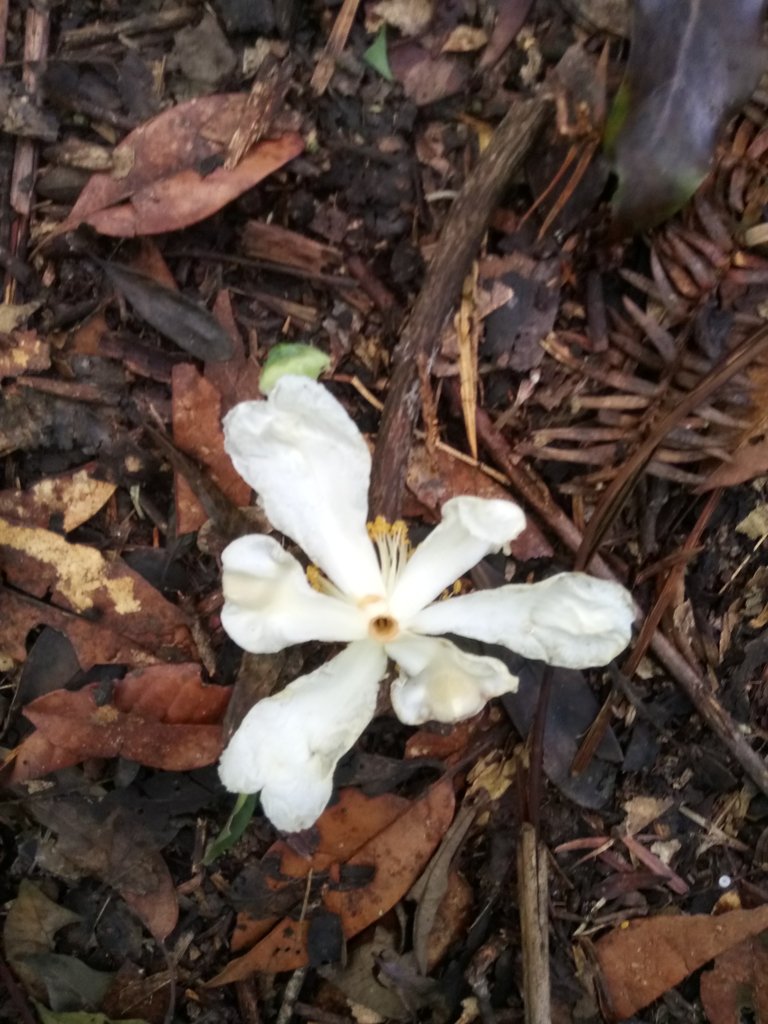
(456, 249)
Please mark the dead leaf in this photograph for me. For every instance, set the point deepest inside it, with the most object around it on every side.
(197, 431)
(236, 380)
(435, 477)
(163, 717)
(641, 960)
(30, 927)
(181, 319)
(23, 352)
(80, 580)
(398, 854)
(465, 39)
(115, 848)
(70, 499)
(510, 18)
(426, 79)
(168, 186)
(432, 887)
(411, 17)
(747, 462)
(343, 829)
(736, 988)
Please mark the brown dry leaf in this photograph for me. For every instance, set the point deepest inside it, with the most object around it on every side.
(165, 190)
(115, 848)
(454, 916)
(162, 717)
(424, 78)
(341, 831)
(641, 960)
(70, 499)
(510, 18)
(101, 592)
(236, 380)
(398, 853)
(434, 477)
(197, 432)
(431, 889)
(23, 352)
(737, 985)
(747, 462)
(465, 39)
(411, 17)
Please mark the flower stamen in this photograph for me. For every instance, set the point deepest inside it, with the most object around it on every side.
(392, 546)
(319, 582)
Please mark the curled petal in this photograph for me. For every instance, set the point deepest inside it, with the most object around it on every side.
(269, 605)
(287, 746)
(440, 683)
(571, 620)
(470, 529)
(310, 466)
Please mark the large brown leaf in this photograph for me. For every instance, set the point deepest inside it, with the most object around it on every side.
(90, 588)
(643, 959)
(169, 185)
(163, 717)
(397, 854)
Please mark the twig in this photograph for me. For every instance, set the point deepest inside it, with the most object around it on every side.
(337, 40)
(534, 925)
(460, 238)
(291, 994)
(101, 31)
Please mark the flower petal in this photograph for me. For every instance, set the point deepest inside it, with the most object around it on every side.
(571, 620)
(440, 683)
(287, 746)
(310, 466)
(269, 605)
(470, 529)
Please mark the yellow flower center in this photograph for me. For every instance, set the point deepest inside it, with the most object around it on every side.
(393, 549)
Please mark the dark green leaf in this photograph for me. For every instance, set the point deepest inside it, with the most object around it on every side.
(691, 63)
(178, 318)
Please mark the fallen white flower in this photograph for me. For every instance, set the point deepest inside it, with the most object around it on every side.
(310, 466)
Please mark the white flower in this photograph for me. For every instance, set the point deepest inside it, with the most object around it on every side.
(309, 464)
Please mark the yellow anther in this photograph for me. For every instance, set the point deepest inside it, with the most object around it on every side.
(378, 529)
(315, 578)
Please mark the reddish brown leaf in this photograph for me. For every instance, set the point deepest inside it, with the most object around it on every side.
(341, 831)
(163, 716)
(83, 583)
(73, 498)
(197, 431)
(166, 188)
(236, 380)
(747, 462)
(94, 644)
(398, 853)
(22, 352)
(643, 959)
(434, 477)
(738, 982)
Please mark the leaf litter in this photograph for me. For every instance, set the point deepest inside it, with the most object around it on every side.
(110, 599)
